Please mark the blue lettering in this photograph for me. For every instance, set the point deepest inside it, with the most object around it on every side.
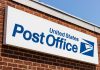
(48, 41)
(68, 46)
(75, 48)
(51, 40)
(27, 35)
(16, 29)
(35, 37)
(41, 38)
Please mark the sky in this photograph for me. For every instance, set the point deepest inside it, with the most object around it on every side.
(88, 10)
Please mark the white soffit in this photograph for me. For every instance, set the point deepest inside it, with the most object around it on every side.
(59, 14)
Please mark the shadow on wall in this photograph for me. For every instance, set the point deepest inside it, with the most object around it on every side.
(28, 55)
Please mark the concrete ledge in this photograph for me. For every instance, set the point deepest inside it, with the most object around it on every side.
(59, 14)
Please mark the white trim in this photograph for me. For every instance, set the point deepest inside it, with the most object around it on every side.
(36, 0)
(59, 14)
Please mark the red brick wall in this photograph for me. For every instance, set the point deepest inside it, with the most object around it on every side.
(12, 58)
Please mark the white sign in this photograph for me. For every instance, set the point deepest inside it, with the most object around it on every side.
(32, 32)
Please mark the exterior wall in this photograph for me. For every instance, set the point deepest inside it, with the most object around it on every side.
(13, 58)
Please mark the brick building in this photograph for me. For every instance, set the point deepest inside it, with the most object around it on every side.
(15, 58)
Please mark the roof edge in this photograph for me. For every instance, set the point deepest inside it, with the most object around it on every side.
(59, 14)
(56, 9)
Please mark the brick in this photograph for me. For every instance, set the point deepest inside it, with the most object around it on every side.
(1, 16)
(23, 58)
(0, 4)
(7, 51)
(3, 63)
(34, 64)
(59, 68)
(44, 65)
(7, 59)
(44, 16)
(19, 7)
(48, 69)
(31, 68)
(52, 67)
(12, 65)
(18, 61)
(38, 64)
(18, 53)
(22, 66)
(4, 54)
(28, 10)
(17, 69)
(6, 68)
(0, 58)
(40, 68)
(2, 10)
(0, 67)
(27, 63)
(34, 68)
(28, 55)
(10, 4)
(1, 20)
